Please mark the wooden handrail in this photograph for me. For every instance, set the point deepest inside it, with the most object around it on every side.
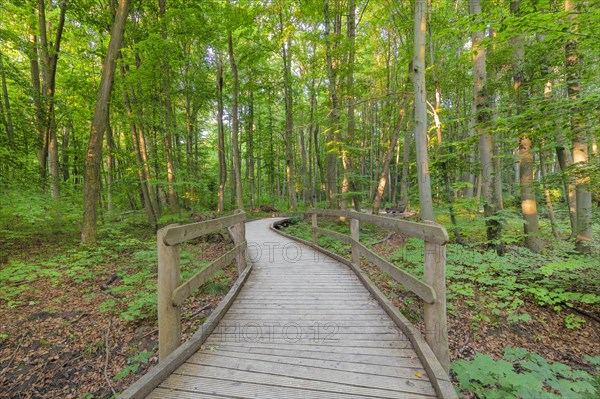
(171, 292)
(433, 287)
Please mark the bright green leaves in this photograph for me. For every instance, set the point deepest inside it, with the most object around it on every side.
(521, 374)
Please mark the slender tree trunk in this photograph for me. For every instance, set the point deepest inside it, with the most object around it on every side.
(250, 151)
(303, 169)
(548, 196)
(94, 151)
(528, 200)
(289, 117)
(49, 57)
(221, 134)
(8, 124)
(583, 196)
(405, 171)
(110, 165)
(420, 115)
(166, 83)
(486, 141)
(332, 132)
(347, 164)
(383, 178)
(65, 153)
(234, 128)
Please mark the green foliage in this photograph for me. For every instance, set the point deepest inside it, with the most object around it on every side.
(521, 374)
(133, 364)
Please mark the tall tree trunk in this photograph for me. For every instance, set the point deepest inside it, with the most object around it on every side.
(383, 178)
(548, 196)
(94, 151)
(420, 115)
(405, 171)
(486, 141)
(332, 132)
(289, 117)
(42, 143)
(7, 120)
(49, 57)
(528, 200)
(583, 196)
(348, 182)
(303, 170)
(166, 82)
(234, 128)
(221, 134)
(110, 165)
(250, 151)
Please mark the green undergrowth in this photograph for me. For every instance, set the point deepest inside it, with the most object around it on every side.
(495, 287)
(119, 273)
(521, 374)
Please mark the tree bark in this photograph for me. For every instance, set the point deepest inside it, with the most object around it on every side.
(486, 141)
(221, 134)
(289, 117)
(166, 83)
(94, 151)
(528, 200)
(383, 178)
(250, 151)
(234, 128)
(8, 124)
(420, 115)
(49, 62)
(583, 196)
(349, 185)
(332, 132)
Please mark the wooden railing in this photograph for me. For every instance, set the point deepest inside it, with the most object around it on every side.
(171, 292)
(432, 290)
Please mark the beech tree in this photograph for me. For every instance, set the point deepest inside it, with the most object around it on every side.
(91, 187)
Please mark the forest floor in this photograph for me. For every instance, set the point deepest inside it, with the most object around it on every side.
(81, 323)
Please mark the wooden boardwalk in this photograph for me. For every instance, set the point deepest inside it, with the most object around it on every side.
(302, 326)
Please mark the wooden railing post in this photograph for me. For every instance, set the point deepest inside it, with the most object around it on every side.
(169, 321)
(238, 233)
(355, 234)
(436, 329)
(314, 226)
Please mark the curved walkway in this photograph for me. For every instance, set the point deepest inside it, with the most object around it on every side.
(303, 326)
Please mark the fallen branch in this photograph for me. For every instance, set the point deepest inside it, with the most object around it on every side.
(14, 354)
(390, 234)
(107, 350)
(202, 309)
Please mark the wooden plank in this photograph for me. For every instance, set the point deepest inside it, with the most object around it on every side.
(434, 313)
(186, 289)
(156, 375)
(412, 283)
(407, 360)
(178, 234)
(317, 349)
(321, 381)
(378, 377)
(264, 390)
(347, 343)
(399, 370)
(430, 232)
(169, 317)
(342, 237)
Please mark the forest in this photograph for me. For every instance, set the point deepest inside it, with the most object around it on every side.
(118, 117)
